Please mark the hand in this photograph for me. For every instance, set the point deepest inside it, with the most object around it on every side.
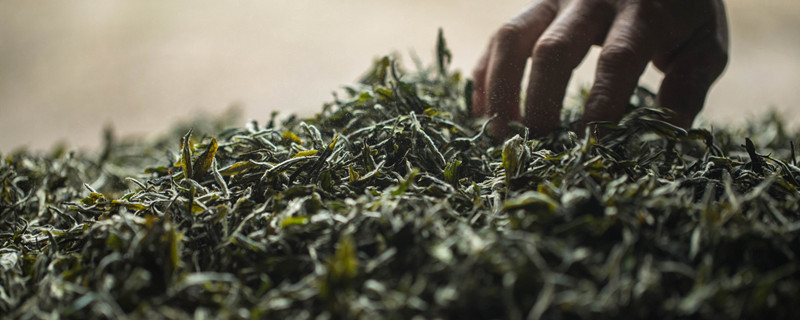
(685, 39)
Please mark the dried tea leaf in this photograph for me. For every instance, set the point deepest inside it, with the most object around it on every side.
(186, 155)
(392, 202)
(203, 163)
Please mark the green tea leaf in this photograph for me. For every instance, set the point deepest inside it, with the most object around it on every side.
(305, 153)
(291, 137)
(443, 54)
(293, 221)
(451, 172)
(186, 155)
(203, 163)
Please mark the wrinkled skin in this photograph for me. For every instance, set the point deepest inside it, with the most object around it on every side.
(686, 39)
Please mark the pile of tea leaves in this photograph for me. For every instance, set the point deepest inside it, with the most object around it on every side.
(393, 203)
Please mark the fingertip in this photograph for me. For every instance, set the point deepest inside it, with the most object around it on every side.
(685, 98)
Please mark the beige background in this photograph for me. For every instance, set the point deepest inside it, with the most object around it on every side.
(68, 68)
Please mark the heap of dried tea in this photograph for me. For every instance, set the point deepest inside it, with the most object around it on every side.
(393, 203)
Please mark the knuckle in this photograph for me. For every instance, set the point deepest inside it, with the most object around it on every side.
(552, 48)
(548, 6)
(601, 93)
(618, 55)
(508, 35)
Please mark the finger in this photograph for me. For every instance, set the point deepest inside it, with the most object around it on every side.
(624, 56)
(510, 50)
(479, 106)
(558, 51)
(693, 69)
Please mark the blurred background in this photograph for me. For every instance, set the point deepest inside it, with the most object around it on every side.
(70, 68)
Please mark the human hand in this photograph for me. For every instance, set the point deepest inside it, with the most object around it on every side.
(685, 39)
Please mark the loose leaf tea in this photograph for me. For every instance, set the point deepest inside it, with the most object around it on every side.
(392, 202)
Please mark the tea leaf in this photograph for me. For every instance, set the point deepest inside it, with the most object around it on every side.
(203, 163)
(451, 172)
(443, 54)
(393, 202)
(186, 155)
(305, 153)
